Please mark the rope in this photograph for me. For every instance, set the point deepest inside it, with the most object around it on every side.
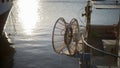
(99, 49)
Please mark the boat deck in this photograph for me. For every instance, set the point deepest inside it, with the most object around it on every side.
(103, 38)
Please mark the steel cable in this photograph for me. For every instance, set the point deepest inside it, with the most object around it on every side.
(99, 49)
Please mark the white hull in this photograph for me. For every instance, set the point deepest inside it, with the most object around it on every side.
(107, 4)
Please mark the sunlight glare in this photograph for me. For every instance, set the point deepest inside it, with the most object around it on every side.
(28, 15)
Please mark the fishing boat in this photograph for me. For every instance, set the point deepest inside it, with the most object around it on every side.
(6, 51)
(95, 45)
(5, 7)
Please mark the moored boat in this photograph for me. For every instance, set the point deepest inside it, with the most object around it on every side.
(6, 51)
(5, 6)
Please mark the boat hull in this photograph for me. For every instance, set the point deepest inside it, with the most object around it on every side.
(3, 18)
(6, 49)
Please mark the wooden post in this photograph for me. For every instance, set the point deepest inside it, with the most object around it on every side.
(88, 15)
(88, 22)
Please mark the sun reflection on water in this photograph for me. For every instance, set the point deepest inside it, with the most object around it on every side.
(28, 15)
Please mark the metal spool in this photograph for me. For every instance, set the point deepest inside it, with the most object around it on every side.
(65, 36)
(59, 30)
(73, 46)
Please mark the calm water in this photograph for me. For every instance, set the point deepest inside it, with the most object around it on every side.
(34, 21)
